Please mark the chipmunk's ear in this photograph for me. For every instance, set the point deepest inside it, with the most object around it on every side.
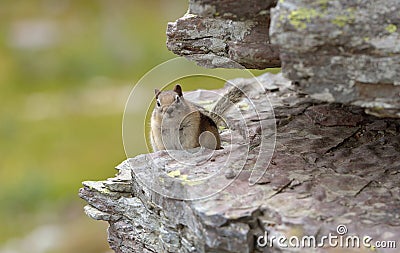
(156, 92)
(178, 90)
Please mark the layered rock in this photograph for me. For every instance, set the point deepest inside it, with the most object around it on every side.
(231, 30)
(332, 165)
(337, 50)
(342, 51)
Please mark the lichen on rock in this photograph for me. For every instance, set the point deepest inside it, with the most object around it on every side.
(339, 47)
(233, 30)
(332, 164)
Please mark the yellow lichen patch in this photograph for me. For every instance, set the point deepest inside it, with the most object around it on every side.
(344, 19)
(243, 106)
(205, 102)
(340, 20)
(391, 28)
(183, 177)
(174, 173)
(323, 4)
(104, 190)
(298, 18)
(186, 181)
(191, 182)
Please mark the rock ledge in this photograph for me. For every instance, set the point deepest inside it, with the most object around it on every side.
(332, 165)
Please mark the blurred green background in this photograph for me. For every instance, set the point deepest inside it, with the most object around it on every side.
(66, 70)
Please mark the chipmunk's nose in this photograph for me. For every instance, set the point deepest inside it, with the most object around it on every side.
(168, 110)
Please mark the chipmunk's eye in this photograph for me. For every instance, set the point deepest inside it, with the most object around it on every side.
(177, 98)
(158, 103)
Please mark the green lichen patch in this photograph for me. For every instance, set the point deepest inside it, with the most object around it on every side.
(243, 106)
(391, 28)
(346, 18)
(183, 178)
(323, 4)
(300, 17)
(340, 20)
(174, 173)
(191, 182)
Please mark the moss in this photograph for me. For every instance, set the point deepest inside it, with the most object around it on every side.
(298, 18)
(391, 28)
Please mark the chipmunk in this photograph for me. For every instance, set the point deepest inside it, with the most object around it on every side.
(179, 124)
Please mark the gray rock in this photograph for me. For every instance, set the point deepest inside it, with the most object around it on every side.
(342, 51)
(231, 30)
(325, 171)
(345, 51)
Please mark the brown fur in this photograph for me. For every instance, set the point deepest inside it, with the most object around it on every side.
(178, 124)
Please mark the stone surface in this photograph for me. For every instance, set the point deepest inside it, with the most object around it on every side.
(345, 51)
(231, 30)
(332, 165)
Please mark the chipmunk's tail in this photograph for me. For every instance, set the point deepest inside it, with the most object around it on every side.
(237, 90)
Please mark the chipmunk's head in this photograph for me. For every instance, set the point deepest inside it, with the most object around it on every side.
(169, 101)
